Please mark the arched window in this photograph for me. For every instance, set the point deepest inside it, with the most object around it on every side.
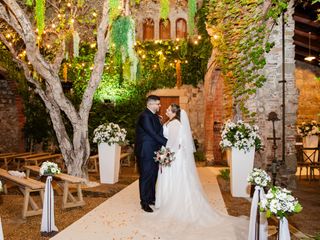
(164, 29)
(181, 28)
(148, 29)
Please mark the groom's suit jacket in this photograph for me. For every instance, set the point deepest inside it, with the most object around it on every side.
(149, 135)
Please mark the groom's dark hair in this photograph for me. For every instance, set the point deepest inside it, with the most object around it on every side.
(153, 98)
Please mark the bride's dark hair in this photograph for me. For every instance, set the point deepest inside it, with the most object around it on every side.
(175, 108)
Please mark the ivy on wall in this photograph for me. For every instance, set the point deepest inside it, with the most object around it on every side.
(239, 31)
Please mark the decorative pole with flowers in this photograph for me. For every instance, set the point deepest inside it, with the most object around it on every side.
(48, 226)
(258, 227)
(244, 140)
(280, 203)
(108, 137)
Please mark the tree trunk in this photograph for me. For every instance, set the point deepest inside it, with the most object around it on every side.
(76, 152)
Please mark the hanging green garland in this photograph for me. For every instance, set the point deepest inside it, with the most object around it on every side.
(192, 9)
(114, 11)
(123, 39)
(29, 3)
(39, 15)
(164, 9)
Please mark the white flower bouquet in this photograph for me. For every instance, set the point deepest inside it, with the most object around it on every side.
(309, 129)
(259, 178)
(109, 133)
(240, 135)
(280, 203)
(164, 156)
(49, 168)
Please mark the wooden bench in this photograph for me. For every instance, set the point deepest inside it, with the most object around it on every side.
(93, 165)
(38, 160)
(23, 158)
(66, 180)
(9, 158)
(26, 186)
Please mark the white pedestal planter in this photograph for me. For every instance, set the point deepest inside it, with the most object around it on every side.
(241, 166)
(109, 162)
(311, 142)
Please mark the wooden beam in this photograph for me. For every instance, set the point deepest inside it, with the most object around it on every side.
(305, 45)
(306, 21)
(306, 34)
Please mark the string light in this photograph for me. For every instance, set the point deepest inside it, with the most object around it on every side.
(143, 56)
(196, 42)
(177, 47)
(94, 14)
(69, 4)
(199, 37)
(186, 61)
(53, 25)
(215, 36)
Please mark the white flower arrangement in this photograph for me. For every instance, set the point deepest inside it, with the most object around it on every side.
(309, 129)
(259, 178)
(164, 156)
(240, 135)
(49, 168)
(109, 133)
(280, 203)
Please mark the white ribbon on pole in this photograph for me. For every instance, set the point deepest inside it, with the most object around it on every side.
(1, 232)
(284, 233)
(263, 228)
(47, 221)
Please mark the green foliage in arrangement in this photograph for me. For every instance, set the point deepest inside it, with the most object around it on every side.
(240, 34)
(225, 174)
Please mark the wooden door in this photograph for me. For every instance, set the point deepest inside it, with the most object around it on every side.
(165, 103)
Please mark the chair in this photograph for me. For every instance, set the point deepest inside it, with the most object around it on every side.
(301, 163)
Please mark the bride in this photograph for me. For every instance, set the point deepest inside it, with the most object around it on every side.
(180, 200)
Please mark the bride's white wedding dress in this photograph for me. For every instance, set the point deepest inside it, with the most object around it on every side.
(182, 209)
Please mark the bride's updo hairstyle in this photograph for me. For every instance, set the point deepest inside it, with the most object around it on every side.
(175, 108)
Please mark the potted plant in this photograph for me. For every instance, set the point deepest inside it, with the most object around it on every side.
(243, 140)
(109, 137)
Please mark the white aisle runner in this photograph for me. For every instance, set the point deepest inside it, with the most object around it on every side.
(115, 218)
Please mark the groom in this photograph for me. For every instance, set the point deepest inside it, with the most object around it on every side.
(149, 138)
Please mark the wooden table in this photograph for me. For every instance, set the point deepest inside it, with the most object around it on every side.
(66, 180)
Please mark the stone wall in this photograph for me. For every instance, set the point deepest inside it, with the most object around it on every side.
(309, 92)
(11, 117)
(269, 97)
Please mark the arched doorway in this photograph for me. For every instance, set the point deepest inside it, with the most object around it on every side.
(148, 29)
(181, 28)
(164, 27)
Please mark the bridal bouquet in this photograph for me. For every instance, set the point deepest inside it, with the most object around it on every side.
(49, 168)
(280, 203)
(240, 135)
(109, 133)
(164, 156)
(308, 129)
(259, 178)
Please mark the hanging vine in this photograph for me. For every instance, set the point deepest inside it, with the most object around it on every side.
(123, 39)
(239, 33)
(39, 15)
(164, 9)
(192, 9)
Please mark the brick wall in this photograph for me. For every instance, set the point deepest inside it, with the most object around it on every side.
(309, 92)
(11, 117)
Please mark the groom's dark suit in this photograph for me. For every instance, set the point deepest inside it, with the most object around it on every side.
(149, 138)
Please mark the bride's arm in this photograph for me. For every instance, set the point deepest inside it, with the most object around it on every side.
(174, 135)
